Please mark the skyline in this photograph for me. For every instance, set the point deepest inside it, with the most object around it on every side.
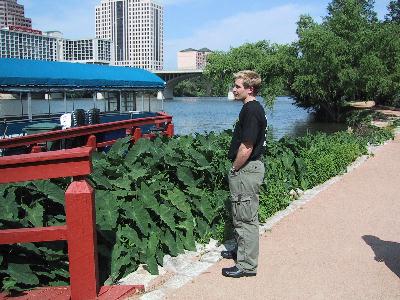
(217, 26)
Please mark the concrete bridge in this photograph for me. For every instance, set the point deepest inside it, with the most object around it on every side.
(172, 78)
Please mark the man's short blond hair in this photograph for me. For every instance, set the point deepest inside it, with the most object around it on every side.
(250, 79)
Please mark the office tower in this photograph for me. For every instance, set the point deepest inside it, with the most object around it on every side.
(12, 14)
(136, 29)
(192, 59)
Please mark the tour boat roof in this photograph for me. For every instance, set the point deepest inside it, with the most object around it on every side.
(22, 75)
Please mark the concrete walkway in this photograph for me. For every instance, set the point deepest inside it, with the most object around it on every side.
(344, 244)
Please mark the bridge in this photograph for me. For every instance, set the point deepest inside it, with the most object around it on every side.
(172, 78)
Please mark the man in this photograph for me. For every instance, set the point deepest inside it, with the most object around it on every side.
(246, 176)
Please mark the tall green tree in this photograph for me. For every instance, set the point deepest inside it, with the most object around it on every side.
(330, 55)
(393, 14)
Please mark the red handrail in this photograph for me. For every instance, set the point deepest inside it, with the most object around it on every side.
(80, 229)
(88, 130)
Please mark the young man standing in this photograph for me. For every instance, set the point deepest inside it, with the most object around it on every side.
(246, 176)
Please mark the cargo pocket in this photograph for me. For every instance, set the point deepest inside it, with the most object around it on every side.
(244, 208)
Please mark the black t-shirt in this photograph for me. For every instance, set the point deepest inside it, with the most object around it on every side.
(250, 128)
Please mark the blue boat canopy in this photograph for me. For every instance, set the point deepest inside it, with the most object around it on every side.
(36, 75)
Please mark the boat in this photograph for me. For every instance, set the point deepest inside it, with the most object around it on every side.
(37, 97)
(231, 96)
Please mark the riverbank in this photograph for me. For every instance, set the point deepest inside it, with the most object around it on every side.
(339, 241)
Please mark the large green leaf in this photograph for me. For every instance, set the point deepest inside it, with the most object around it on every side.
(137, 173)
(22, 274)
(169, 240)
(187, 225)
(189, 241)
(100, 180)
(107, 210)
(130, 237)
(151, 260)
(178, 199)
(51, 190)
(34, 214)
(8, 206)
(140, 216)
(202, 227)
(166, 214)
(199, 158)
(140, 147)
(119, 147)
(146, 195)
(205, 207)
(186, 176)
(119, 259)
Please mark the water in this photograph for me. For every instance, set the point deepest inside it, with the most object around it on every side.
(206, 114)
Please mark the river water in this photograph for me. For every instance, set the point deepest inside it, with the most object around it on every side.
(206, 114)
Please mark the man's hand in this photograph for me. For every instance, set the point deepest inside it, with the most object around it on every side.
(243, 154)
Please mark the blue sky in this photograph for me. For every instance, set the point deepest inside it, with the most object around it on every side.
(215, 24)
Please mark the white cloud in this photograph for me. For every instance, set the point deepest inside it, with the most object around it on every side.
(278, 25)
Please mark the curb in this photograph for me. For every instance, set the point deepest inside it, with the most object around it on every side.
(177, 271)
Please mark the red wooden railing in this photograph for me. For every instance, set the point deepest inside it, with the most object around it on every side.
(80, 230)
(162, 121)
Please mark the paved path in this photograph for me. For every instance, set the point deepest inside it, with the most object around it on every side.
(344, 244)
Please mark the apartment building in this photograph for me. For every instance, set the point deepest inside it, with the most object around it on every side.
(13, 14)
(89, 51)
(192, 59)
(136, 29)
(26, 43)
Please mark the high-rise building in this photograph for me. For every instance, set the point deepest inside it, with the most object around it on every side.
(26, 43)
(13, 14)
(192, 59)
(136, 29)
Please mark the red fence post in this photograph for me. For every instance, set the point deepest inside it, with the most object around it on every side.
(170, 130)
(91, 142)
(137, 134)
(82, 241)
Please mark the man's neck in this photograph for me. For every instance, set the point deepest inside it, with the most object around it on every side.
(248, 99)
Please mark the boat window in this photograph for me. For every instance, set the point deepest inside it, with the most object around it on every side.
(13, 105)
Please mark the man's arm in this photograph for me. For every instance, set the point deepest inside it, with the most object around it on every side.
(243, 155)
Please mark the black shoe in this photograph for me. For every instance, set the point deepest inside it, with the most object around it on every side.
(234, 272)
(229, 254)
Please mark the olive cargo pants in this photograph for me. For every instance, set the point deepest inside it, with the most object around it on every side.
(244, 186)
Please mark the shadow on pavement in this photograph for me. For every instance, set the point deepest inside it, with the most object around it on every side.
(385, 251)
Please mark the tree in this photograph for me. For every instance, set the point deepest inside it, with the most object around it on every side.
(393, 14)
(273, 62)
(340, 6)
(328, 74)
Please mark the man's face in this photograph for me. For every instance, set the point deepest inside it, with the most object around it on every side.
(239, 91)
